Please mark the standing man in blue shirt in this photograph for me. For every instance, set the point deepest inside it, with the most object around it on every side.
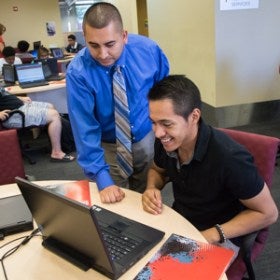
(91, 101)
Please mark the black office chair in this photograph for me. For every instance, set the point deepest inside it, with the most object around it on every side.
(26, 147)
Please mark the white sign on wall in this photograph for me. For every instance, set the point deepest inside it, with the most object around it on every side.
(238, 4)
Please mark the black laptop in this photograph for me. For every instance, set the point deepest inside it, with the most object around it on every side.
(30, 75)
(58, 53)
(9, 75)
(50, 69)
(15, 215)
(89, 237)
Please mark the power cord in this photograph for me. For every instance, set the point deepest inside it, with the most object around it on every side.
(15, 248)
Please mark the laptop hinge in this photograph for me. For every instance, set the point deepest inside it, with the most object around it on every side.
(78, 259)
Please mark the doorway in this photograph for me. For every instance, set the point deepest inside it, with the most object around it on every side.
(142, 17)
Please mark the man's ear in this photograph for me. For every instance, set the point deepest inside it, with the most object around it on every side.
(195, 115)
(125, 36)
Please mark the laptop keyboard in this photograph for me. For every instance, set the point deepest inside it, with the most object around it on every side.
(55, 78)
(29, 85)
(118, 245)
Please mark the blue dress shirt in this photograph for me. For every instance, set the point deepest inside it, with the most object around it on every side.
(91, 101)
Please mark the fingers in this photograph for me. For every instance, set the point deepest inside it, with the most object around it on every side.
(4, 115)
(152, 202)
(111, 194)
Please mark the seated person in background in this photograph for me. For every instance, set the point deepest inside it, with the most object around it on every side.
(216, 185)
(22, 52)
(36, 113)
(9, 57)
(73, 45)
(43, 53)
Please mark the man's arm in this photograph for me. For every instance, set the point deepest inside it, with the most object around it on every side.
(261, 212)
(25, 99)
(151, 198)
(87, 134)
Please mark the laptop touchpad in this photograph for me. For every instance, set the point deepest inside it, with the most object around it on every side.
(119, 226)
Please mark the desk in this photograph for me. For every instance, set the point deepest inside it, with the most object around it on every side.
(32, 261)
(54, 92)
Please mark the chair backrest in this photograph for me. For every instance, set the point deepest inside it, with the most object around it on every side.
(11, 162)
(264, 150)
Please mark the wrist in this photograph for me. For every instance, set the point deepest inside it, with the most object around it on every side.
(221, 233)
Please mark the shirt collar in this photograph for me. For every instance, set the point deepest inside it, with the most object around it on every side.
(201, 143)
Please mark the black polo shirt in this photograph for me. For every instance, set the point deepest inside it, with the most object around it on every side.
(207, 189)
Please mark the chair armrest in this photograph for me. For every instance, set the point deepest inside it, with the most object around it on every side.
(21, 114)
(247, 243)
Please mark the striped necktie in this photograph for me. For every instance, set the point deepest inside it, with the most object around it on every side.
(123, 132)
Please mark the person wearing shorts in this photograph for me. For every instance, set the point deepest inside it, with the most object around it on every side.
(36, 114)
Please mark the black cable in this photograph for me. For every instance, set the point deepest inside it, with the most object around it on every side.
(15, 248)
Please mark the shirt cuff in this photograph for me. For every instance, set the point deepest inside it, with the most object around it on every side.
(103, 180)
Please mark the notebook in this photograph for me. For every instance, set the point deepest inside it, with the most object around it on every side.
(77, 190)
(184, 258)
(9, 75)
(30, 75)
(50, 69)
(15, 215)
(82, 234)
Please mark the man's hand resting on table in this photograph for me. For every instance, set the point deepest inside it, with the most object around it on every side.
(111, 194)
(152, 201)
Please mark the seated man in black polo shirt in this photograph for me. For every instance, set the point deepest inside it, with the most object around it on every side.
(36, 113)
(215, 182)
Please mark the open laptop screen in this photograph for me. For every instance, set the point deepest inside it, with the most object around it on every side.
(36, 45)
(51, 64)
(57, 52)
(9, 74)
(30, 72)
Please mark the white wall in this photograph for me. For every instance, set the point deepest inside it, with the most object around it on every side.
(29, 22)
(248, 54)
(185, 30)
(233, 56)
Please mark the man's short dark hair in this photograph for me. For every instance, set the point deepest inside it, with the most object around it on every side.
(183, 93)
(23, 46)
(100, 14)
(72, 36)
(8, 51)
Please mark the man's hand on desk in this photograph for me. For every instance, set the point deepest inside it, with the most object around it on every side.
(111, 194)
(152, 201)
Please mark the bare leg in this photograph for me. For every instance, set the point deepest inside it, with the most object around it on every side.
(54, 130)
